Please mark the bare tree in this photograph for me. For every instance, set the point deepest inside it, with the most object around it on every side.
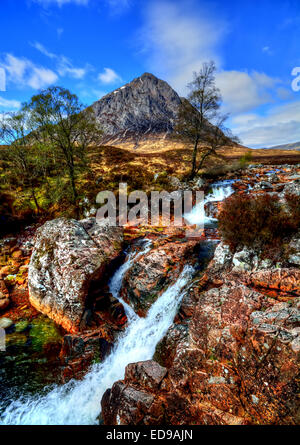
(196, 113)
(216, 136)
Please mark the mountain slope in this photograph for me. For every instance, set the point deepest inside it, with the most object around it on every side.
(292, 146)
(146, 106)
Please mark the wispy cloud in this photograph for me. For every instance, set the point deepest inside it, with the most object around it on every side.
(178, 38)
(108, 76)
(64, 65)
(7, 103)
(24, 73)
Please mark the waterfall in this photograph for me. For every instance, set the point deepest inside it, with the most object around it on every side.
(219, 191)
(78, 402)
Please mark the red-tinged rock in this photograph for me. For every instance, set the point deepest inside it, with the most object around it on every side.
(154, 271)
(123, 405)
(285, 280)
(78, 352)
(149, 374)
(235, 362)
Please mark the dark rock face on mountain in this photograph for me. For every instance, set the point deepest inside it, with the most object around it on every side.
(147, 105)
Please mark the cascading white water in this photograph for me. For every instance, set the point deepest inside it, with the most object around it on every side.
(78, 402)
(220, 191)
(116, 281)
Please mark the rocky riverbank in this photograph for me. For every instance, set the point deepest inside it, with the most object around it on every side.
(232, 354)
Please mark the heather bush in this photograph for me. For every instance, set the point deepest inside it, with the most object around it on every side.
(260, 221)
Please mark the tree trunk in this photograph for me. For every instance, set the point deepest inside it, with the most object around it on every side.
(74, 190)
(194, 160)
(202, 160)
(35, 200)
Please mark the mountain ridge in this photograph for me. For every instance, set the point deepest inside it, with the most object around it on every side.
(290, 146)
(145, 107)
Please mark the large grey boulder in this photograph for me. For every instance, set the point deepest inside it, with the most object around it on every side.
(68, 256)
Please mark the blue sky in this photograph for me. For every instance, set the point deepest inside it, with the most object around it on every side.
(94, 46)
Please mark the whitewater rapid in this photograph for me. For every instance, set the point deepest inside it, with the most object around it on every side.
(219, 191)
(78, 402)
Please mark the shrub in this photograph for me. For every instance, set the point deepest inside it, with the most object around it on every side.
(293, 202)
(259, 221)
(246, 159)
(219, 170)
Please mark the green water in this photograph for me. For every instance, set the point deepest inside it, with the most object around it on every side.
(31, 359)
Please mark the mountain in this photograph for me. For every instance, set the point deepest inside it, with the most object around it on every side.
(292, 146)
(145, 107)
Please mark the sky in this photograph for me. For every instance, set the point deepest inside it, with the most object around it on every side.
(94, 46)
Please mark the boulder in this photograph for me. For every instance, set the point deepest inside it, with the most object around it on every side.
(68, 257)
(223, 255)
(160, 267)
(245, 259)
(5, 323)
(149, 373)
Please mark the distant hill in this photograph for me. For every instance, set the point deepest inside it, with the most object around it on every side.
(292, 146)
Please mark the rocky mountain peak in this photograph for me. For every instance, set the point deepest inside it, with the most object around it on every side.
(146, 105)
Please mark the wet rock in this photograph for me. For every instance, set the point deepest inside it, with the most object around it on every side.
(237, 363)
(149, 373)
(78, 352)
(124, 405)
(148, 277)
(274, 179)
(68, 256)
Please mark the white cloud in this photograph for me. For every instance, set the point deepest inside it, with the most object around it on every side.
(43, 50)
(177, 39)
(41, 77)
(242, 91)
(23, 73)
(64, 65)
(280, 125)
(7, 103)
(108, 76)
